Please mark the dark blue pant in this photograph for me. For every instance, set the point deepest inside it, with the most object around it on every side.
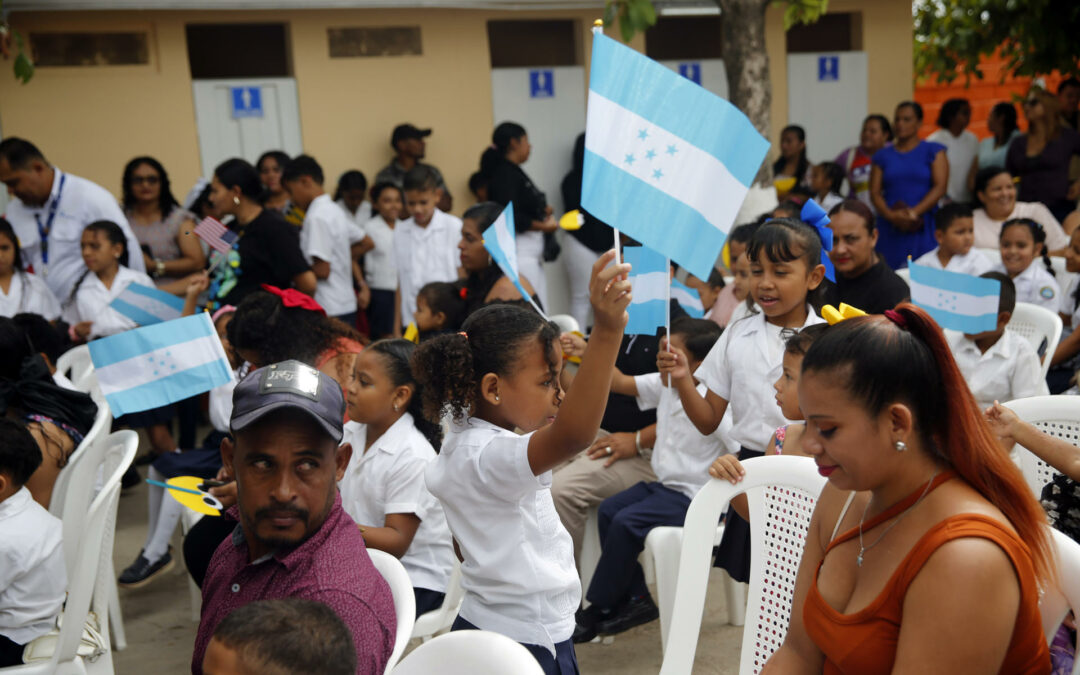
(427, 600)
(625, 520)
(564, 662)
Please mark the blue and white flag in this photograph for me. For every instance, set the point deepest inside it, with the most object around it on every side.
(956, 301)
(649, 276)
(156, 365)
(666, 161)
(146, 306)
(500, 241)
(689, 299)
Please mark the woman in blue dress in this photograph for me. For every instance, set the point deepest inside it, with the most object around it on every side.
(906, 182)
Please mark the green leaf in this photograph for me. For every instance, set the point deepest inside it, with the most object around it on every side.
(609, 13)
(24, 67)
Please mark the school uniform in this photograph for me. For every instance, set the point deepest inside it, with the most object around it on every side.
(681, 458)
(380, 273)
(1035, 285)
(360, 216)
(425, 254)
(518, 571)
(389, 478)
(28, 294)
(92, 302)
(741, 368)
(973, 262)
(1009, 369)
(328, 234)
(33, 577)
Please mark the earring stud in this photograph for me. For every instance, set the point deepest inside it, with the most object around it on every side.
(236, 201)
(900, 446)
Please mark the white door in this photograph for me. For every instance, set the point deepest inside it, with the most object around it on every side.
(550, 104)
(709, 73)
(827, 97)
(245, 118)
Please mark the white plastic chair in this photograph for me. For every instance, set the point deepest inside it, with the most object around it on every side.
(1035, 324)
(97, 434)
(1057, 416)
(469, 652)
(1057, 601)
(430, 623)
(75, 363)
(188, 518)
(781, 492)
(566, 323)
(94, 545)
(401, 588)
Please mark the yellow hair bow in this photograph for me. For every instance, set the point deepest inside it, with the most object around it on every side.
(835, 316)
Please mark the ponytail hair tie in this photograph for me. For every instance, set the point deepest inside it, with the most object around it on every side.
(897, 318)
(463, 334)
(290, 297)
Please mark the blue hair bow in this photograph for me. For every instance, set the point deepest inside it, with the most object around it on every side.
(815, 216)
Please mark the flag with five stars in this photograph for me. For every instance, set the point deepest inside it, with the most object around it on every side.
(666, 161)
(956, 301)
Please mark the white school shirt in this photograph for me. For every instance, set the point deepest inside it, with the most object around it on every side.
(80, 203)
(1008, 370)
(362, 215)
(221, 403)
(741, 368)
(28, 293)
(961, 152)
(1035, 285)
(425, 254)
(380, 270)
(681, 455)
(92, 303)
(518, 574)
(1069, 307)
(973, 262)
(327, 234)
(389, 478)
(33, 577)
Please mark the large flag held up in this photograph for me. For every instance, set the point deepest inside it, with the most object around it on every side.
(649, 275)
(501, 242)
(956, 301)
(146, 306)
(156, 365)
(666, 161)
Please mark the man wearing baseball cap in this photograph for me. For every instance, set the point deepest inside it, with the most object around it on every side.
(408, 142)
(294, 540)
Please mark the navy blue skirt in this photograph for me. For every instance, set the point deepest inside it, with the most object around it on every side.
(563, 663)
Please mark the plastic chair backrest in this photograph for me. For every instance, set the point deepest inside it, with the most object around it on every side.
(782, 492)
(432, 622)
(1037, 324)
(1058, 600)
(401, 588)
(121, 447)
(566, 323)
(469, 652)
(1057, 416)
(75, 363)
(97, 433)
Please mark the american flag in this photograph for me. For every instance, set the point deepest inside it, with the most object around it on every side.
(216, 235)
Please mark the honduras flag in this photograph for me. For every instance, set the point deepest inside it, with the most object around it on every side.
(666, 161)
(146, 306)
(649, 278)
(956, 301)
(156, 365)
(500, 242)
(689, 299)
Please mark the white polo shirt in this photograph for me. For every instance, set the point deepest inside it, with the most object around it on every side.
(681, 455)
(380, 268)
(362, 214)
(424, 255)
(77, 205)
(1035, 285)
(389, 478)
(973, 262)
(28, 293)
(92, 303)
(741, 369)
(1008, 370)
(33, 577)
(327, 234)
(518, 574)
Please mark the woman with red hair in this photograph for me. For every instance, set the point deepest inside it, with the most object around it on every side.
(941, 547)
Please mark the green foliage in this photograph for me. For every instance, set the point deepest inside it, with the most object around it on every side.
(24, 65)
(1035, 36)
(633, 16)
(802, 11)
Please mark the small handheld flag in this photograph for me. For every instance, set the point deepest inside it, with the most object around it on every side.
(689, 299)
(156, 365)
(649, 278)
(501, 242)
(956, 301)
(146, 306)
(216, 235)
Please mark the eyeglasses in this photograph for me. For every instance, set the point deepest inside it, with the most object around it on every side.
(149, 180)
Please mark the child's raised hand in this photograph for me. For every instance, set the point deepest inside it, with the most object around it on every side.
(672, 362)
(1002, 420)
(572, 344)
(196, 284)
(609, 293)
(727, 467)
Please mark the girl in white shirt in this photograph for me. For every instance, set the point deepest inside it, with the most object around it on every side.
(380, 271)
(383, 487)
(1023, 243)
(20, 291)
(499, 374)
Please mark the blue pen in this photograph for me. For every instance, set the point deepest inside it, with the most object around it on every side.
(173, 487)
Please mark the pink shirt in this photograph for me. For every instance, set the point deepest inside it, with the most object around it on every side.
(331, 567)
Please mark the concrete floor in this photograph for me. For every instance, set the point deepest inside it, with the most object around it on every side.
(160, 632)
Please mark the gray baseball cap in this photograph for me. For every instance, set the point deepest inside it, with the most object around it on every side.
(289, 384)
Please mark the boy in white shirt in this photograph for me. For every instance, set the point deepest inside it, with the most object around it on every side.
(954, 230)
(681, 457)
(998, 365)
(326, 238)
(425, 245)
(33, 578)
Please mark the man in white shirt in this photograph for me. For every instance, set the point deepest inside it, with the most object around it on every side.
(49, 212)
(325, 238)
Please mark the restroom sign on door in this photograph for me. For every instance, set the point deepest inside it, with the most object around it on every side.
(246, 102)
(691, 71)
(828, 68)
(541, 84)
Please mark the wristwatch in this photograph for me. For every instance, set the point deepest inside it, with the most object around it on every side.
(643, 452)
(159, 267)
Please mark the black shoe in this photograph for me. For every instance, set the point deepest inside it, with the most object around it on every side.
(587, 620)
(142, 572)
(130, 479)
(636, 612)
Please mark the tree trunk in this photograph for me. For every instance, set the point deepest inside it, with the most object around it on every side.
(747, 66)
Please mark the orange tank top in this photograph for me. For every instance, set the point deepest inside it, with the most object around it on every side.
(865, 642)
